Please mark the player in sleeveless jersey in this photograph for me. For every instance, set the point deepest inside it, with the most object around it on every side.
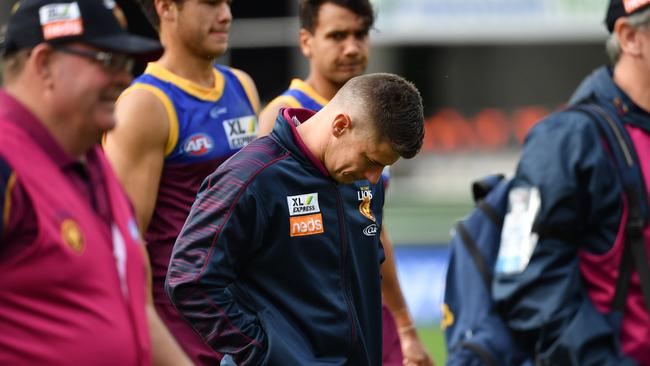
(176, 123)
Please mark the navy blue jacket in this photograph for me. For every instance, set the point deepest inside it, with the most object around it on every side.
(546, 305)
(254, 291)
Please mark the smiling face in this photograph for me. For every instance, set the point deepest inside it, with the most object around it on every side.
(84, 91)
(338, 47)
(202, 26)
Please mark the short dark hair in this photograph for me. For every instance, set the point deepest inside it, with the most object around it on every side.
(149, 10)
(393, 105)
(308, 11)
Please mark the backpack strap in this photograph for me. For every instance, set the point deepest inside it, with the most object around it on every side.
(480, 190)
(634, 252)
(472, 249)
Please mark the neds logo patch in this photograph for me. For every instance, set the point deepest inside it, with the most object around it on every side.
(306, 225)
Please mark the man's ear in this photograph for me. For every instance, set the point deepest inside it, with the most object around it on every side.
(341, 124)
(164, 9)
(41, 64)
(629, 37)
(305, 37)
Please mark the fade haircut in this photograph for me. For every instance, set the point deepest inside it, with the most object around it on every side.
(308, 11)
(149, 10)
(393, 106)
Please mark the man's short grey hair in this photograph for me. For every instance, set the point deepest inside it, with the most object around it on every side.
(13, 64)
(613, 46)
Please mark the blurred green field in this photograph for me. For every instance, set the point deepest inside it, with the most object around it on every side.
(433, 338)
(423, 223)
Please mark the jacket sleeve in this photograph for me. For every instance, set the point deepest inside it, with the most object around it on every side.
(224, 227)
(545, 304)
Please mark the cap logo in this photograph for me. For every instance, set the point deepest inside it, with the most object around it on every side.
(60, 20)
(633, 5)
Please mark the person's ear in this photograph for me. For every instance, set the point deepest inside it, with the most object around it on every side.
(629, 37)
(306, 39)
(165, 9)
(41, 64)
(341, 124)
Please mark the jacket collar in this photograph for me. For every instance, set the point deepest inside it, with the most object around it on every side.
(286, 133)
(600, 85)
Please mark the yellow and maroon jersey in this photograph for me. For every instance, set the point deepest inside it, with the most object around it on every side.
(207, 126)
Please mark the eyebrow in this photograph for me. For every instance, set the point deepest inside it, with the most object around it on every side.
(376, 162)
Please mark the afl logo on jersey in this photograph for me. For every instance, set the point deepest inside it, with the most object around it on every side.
(198, 144)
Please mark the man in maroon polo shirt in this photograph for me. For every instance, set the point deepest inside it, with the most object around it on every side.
(74, 279)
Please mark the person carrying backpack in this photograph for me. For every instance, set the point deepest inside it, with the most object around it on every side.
(552, 266)
(564, 235)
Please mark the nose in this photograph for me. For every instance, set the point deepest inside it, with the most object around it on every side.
(225, 15)
(373, 175)
(351, 46)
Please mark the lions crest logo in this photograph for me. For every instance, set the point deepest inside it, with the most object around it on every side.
(364, 194)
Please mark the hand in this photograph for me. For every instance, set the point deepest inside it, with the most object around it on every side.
(412, 348)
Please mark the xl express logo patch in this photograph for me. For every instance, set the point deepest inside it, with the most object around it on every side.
(240, 131)
(60, 20)
(304, 215)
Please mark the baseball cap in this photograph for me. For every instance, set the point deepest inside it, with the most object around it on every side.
(623, 8)
(90, 22)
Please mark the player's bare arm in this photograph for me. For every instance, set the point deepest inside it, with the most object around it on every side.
(136, 149)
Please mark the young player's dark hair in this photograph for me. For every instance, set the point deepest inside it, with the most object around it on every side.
(149, 11)
(308, 11)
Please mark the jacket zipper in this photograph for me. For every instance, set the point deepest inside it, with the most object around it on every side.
(344, 254)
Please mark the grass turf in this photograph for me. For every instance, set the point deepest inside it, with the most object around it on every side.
(433, 339)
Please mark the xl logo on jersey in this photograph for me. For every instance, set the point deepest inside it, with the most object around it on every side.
(198, 144)
(240, 131)
(364, 194)
(303, 204)
(305, 217)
